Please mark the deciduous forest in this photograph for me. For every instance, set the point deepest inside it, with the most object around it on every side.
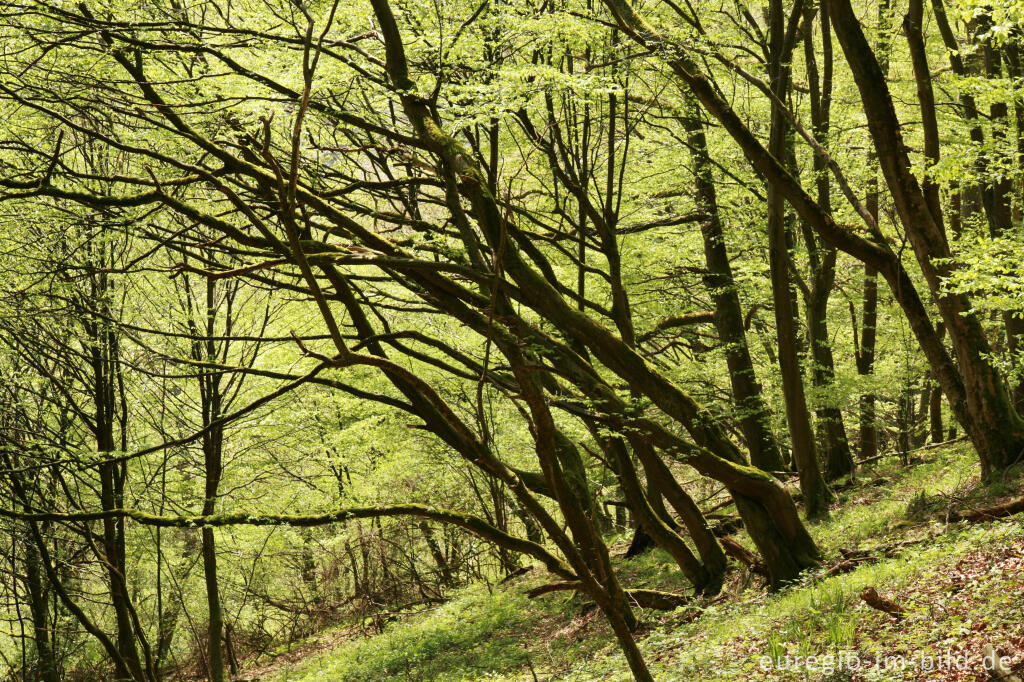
(511, 339)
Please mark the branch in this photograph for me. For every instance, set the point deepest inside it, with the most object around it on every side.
(702, 317)
(473, 524)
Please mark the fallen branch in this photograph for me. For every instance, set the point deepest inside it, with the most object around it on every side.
(645, 599)
(998, 511)
(930, 446)
(552, 587)
(876, 601)
(853, 558)
(656, 599)
(515, 574)
(855, 554)
(727, 525)
(844, 566)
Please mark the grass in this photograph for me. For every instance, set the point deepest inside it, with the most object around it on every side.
(459, 640)
(961, 585)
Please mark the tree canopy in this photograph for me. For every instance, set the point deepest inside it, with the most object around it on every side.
(308, 302)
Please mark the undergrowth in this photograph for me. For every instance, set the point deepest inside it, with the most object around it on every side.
(960, 584)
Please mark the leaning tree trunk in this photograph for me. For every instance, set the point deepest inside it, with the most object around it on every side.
(653, 523)
(708, 547)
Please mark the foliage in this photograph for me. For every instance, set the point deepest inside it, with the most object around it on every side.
(573, 272)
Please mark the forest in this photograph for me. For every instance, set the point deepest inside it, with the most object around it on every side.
(511, 339)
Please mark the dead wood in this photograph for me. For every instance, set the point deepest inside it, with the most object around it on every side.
(997, 511)
(646, 599)
(876, 601)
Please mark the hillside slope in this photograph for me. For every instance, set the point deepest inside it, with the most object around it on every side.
(961, 587)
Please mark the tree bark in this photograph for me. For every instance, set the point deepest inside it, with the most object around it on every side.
(815, 491)
(835, 448)
(728, 315)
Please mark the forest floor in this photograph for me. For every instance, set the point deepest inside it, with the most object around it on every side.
(961, 585)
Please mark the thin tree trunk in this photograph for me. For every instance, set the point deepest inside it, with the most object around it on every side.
(113, 539)
(835, 448)
(39, 609)
(205, 349)
(653, 523)
(865, 351)
(708, 547)
(815, 491)
(754, 415)
(444, 570)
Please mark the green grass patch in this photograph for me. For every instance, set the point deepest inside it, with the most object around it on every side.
(464, 639)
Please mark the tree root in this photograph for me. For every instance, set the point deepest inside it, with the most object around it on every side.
(744, 556)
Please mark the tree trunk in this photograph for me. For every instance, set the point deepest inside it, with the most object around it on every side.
(835, 448)
(653, 523)
(935, 415)
(114, 556)
(815, 491)
(46, 662)
(215, 626)
(444, 570)
(1015, 325)
(981, 401)
(205, 348)
(708, 546)
(754, 415)
(212, 444)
